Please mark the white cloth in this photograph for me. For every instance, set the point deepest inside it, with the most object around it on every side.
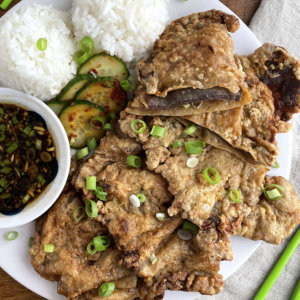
(276, 21)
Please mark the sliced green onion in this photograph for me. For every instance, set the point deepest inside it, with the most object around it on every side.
(158, 131)
(30, 242)
(49, 248)
(91, 143)
(42, 44)
(125, 85)
(28, 143)
(214, 172)
(184, 234)
(107, 126)
(15, 120)
(82, 153)
(97, 122)
(138, 126)
(141, 197)
(1, 111)
(78, 213)
(2, 127)
(276, 165)
(91, 209)
(27, 130)
(91, 183)
(106, 289)
(2, 137)
(160, 216)
(177, 144)
(5, 4)
(38, 145)
(80, 57)
(26, 199)
(134, 161)
(134, 200)
(4, 163)
(186, 106)
(273, 194)
(101, 242)
(3, 182)
(5, 196)
(235, 195)
(5, 170)
(191, 227)
(190, 130)
(12, 148)
(11, 235)
(86, 44)
(194, 147)
(91, 249)
(192, 162)
(100, 194)
(40, 178)
(153, 258)
(112, 115)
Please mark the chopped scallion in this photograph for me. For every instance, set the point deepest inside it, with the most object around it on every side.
(276, 165)
(49, 248)
(86, 44)
(101, 242)
(91, 183)
(177, 144)
(4, 163)
(191, 227)
(214, 173)
(2, 127)
(91, 249)
(272, 191)
(106, 289)
(41, 44)
(112, 115)
(91, 143)
(80, 57)
(38, 144)
(158, 131)
(160, 216)
(141, 197)
(82, 153)
(91, 208)
(100, 194)
(184, 234)
(186, 106)
(11, 235)
(190, 130)
(134, 200)
(30, 242)
(12, 148)
(194, 147)
(26, 199)
(27, 130)
(134, 161)
(5, 170)
(3, 182)
(235, 195)
(97, 122)
(192, 162)
(78, 213)
(153, 258)
(107, 127)
(138, 126)
(125, 85)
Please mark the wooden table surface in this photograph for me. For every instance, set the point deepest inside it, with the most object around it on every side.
(12, 290)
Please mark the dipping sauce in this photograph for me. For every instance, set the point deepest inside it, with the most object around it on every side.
(27, 158)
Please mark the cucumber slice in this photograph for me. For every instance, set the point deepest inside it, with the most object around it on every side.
(106, 92)
(56, 106)
(69, 91)
(105, 65)
(76, 118)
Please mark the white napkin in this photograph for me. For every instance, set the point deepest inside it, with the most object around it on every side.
(276, 21)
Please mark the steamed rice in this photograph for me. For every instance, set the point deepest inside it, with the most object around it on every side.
(22, 65)
(125, 28)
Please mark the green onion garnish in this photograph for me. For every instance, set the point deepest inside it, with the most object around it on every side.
(91, 143)
(125, 85)
(2, 137)
(106, 289)
(194, 147)
(5, 196)
(91, 183)
(191, 227)
(100, 194)
(78, 213)
(1, 111)
(30, 242)
(235, 195)
(158, 131)
(97, 122)
(134, 200)
(138, 126)
(141, 197)
(91, 249)
(91, 209)
(3, 182)
(5, 170)
(134, 161)
(5, 4)
(42, 44)
(4, 163)
(86, 45)
(276, 165)
(26, 199)
(12, 148)
(186, 106)
(80, 57)
(177, 144)
(49, 248)
(192, 162)
(214, 172)
(153, 258)
(190, 130)
(112, 115)
(273, 194)
(27, 130)
(2, 127)
(38, 145)
(15, 120)
(11, 235)
(101, 242)
(160, 216)
(107, 126)
(80, 154)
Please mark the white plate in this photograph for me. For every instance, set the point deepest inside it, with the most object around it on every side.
(14, 258)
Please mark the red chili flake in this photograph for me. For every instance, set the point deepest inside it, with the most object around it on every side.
(72, 117)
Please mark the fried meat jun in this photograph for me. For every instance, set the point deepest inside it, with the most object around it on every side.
(192, 64)
(75, 270)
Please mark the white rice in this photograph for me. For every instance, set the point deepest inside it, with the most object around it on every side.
(24, 67)
(125, 28)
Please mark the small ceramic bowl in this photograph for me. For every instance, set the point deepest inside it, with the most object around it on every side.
(36, 208)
